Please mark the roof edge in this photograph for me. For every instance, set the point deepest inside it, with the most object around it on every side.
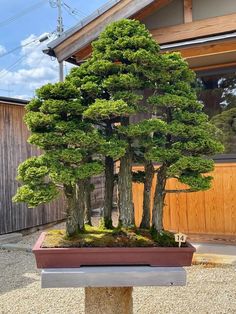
(15, 101)
(107, 6)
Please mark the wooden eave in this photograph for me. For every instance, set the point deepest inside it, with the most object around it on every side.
(78, 43)
(209, 54)
(196, 29)
(77, 47)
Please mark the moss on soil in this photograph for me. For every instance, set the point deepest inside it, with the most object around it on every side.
(119, 237)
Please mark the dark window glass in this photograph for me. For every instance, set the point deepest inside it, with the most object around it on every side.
(217, 91)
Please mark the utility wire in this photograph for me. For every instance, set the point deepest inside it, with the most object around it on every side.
(73, 10)
(16, 48)
(5, 71)
(27, 44)
(21, 13)
(68, 11)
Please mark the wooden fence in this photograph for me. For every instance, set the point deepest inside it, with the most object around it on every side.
(209, 212)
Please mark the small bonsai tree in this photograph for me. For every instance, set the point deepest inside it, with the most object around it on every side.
(69, 143)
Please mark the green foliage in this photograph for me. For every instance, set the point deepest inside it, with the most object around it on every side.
(189, 170)
(105, 109)
(138, 176)
(143, 128)
(196, 181)
(69, 142)
(37, 188)
(58, 91)
(35, 195)
(164, 238)
(226, 122)
(113, 147)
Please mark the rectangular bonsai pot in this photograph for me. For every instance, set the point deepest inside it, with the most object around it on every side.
(99, 256)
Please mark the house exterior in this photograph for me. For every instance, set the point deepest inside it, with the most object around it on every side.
(204, 32)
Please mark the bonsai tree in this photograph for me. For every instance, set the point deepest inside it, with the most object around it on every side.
(112, 81)
(84, 126)
(184, 145)
(69, 143)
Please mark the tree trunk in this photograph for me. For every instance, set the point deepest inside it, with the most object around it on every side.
(159, 198)
(109, 187)
(80, 197)
(72, 215)
(149, 174)
(88, 207)
(125, 200)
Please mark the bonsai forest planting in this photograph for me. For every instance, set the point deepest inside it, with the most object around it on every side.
(84, 128)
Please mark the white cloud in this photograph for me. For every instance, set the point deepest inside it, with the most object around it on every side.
(34, 69)
(2, 50)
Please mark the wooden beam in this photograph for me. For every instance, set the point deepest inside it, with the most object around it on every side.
(207, 27)
(83, 53)
(188, 14)
(214, 66)
(157, 5)
(208, 49)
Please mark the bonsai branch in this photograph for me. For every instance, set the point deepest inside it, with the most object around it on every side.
(181, 191)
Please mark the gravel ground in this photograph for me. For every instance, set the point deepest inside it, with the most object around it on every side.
(209, 290)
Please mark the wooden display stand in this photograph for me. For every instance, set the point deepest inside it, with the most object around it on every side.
(108, 290)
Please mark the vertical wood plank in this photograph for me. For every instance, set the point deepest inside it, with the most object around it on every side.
(188, 14)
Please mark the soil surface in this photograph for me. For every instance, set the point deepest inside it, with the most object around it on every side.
(97, 237)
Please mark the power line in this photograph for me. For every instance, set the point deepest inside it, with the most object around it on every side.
(22, 13)
(16, 48)
(74, 11)
(68, 11)
(40, 39)
(4, 72)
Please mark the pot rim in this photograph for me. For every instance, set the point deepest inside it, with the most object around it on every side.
(37, 247)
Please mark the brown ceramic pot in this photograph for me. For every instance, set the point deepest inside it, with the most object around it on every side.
(77, 257)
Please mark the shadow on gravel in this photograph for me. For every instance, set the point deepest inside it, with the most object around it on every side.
(17, 270)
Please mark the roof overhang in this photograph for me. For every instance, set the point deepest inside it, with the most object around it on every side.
(202, 43)
(13, 101)
(80, 36)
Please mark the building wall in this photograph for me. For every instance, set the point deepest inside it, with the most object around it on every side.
(173, 13)
(203, 9)
(169, 15)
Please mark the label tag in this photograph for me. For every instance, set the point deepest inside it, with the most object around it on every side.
(180, 238)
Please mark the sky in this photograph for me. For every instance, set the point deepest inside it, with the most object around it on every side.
(23, 65)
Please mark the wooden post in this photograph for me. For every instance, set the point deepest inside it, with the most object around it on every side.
(109, 300)
(188, 14)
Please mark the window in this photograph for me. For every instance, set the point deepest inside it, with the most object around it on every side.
(217, 91)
